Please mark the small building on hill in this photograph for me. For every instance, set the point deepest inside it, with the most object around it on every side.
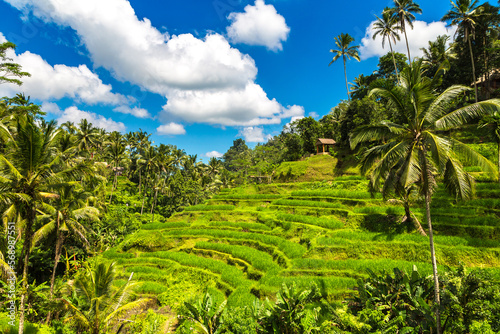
(323, 145)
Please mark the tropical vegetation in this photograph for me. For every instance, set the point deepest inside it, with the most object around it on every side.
(395, 231)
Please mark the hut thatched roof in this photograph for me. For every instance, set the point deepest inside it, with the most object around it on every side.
(325, 141)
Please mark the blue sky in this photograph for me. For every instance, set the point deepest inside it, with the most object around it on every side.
(194, 73)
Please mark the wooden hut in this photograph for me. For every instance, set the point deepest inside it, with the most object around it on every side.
(323, 145)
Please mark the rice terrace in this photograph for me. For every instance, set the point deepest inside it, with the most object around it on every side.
(358, 191)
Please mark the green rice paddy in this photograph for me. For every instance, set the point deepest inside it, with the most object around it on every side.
(246, 242)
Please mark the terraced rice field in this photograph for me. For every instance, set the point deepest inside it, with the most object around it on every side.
(246, 242)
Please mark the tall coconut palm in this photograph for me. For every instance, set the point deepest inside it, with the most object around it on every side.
(345, 50)
(115, 153)
(437, 53)
(404, 11)
(86, 135)
(387, 28)
(417, 151)
(70, 207)
(27, 171)
(464, 14)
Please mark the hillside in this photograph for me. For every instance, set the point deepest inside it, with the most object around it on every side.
(247, 241)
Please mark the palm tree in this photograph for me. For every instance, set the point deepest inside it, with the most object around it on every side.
(204, 313)
(464, 14)
(25, 173)
(115, 153)
(415, 151)
(86, 135)
(346, 51)
(436, 53)
(69, 209)
(404, 11)
(95, 304)
(387, 28)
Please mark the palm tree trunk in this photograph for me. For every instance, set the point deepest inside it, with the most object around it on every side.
(434, 263)
(142, 207)
(394, 60)
(59, 243)
(345, 75)
(113, 186)
(28, 236)
(437, 299)
(473, 67)
(409, 216)
(406, 39)
(498, 152)
(154, 203)
(140, 181)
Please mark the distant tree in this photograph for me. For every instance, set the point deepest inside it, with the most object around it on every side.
(22, 105)
(436, 53)
(309, 131)
(387, 28)
(86, 135)
(361, 84)
(464, 14)
(386, 63)
(356, 113)
(9, 71)
(404, 11)
(345, 50)
(234, 153)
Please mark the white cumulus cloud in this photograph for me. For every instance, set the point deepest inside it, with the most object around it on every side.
(258, 25)
(254, 134)
(231, 107)
(136, 111)
(2, 38)
(135, 51)
(204, 79)
(171, 129)
(73, 114)
(214, 154)
(419, 37)
(51, 108)
(56, 82)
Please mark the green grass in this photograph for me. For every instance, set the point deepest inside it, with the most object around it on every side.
(203, 207)
(289, 248)
(330, 223)
(161, 226)
(247, 196)
(314, 204)
(336, 193)
(244, 226)
(258, 259)
(228, 274)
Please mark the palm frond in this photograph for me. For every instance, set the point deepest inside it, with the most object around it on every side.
(467, 114)
(440, 106)
(381, 131)
(136, 305)
(474, 158)
(390, 159)
(438, 148)
(42, 233)
(458, 182)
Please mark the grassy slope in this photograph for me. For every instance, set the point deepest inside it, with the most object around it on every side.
(247, 241)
